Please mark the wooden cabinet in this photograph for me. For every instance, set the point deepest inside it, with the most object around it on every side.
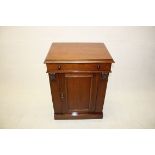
(78, 75)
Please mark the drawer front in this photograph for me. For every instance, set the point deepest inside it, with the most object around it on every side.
(65, 67)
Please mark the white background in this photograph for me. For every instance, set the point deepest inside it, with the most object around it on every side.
(77, 13)
(26, 99)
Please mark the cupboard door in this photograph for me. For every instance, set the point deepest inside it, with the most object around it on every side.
(80, 92)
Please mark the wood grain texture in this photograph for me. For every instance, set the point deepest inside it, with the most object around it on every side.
(71, 52)
(65, 67)
(55, 92)
(78, 88)
(79, 92)
(68, 116)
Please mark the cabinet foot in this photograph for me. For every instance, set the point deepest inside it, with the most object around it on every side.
(98, 115)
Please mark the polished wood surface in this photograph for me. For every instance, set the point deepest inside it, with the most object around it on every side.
(68, 116)
(78, 89)
(66, 67)
(78, 52)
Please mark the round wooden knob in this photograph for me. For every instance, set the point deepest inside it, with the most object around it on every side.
(59, 67)
(98, 66)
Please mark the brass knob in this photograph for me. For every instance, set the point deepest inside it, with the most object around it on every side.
(59, 67)
(98, 66)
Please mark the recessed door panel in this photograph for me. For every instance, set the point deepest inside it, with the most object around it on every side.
(79, 92)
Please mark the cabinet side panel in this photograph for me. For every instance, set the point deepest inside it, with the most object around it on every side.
(54, 84)
(102, 85)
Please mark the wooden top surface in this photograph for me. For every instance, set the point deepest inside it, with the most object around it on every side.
(78, 53)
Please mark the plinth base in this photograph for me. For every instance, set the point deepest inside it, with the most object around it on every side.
(68, 116)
